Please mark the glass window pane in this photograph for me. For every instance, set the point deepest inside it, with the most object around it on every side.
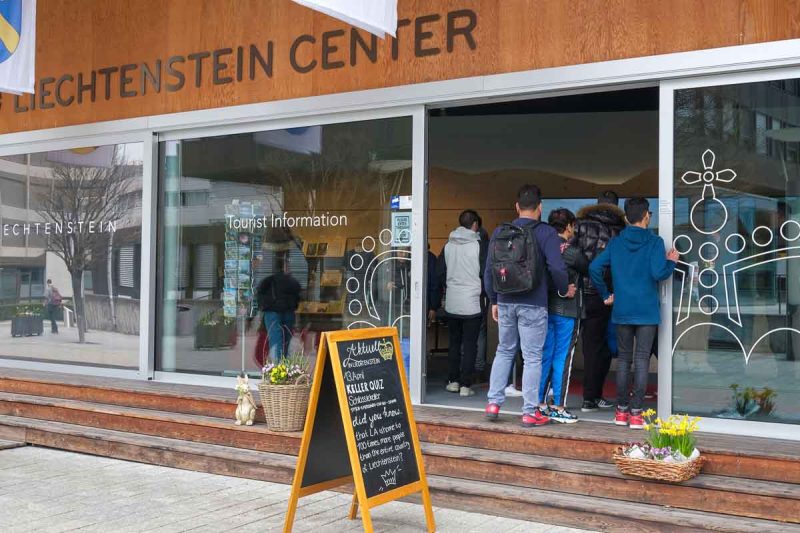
(70, 231)
(269, 238)
(737, 223)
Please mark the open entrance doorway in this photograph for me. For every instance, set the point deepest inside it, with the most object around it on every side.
(575, 148)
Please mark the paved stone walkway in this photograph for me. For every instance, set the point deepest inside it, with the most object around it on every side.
(48, 491)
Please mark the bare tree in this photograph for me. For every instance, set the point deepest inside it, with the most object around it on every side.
(343, 172)
(81, 205)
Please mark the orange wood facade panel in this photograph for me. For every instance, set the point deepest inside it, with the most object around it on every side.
(116, 40)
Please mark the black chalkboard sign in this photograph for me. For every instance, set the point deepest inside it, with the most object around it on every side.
(360, 426)
(328, 458)
(375, 394)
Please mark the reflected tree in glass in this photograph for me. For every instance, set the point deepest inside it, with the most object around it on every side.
(79, 195)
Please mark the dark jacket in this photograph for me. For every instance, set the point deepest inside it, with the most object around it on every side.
(597, 225)
(434, 293)
(638, 261)
(577, 268)
(550, 245)
(279, 293)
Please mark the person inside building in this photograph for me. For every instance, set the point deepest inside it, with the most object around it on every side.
(638, 261)
(459, 269)
(524, 260)
(562, 323)
(434, 296)
(596, 226)
(278, 297)
(480, 358)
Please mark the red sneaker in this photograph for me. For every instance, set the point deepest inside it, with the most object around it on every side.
(534, 419)
(492, 411)
(621, 418)
(636, 421)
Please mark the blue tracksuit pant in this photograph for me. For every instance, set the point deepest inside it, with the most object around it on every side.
(557, 358)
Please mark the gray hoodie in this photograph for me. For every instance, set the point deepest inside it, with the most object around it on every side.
(461, 273)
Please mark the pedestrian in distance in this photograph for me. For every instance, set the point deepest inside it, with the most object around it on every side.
(52, 303)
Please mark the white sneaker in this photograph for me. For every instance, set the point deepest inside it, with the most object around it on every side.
(512, 392)
(466, 391)
(453, 386)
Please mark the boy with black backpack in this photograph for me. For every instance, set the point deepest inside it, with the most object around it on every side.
(521, 255)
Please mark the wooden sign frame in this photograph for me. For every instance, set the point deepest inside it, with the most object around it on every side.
(328, 354)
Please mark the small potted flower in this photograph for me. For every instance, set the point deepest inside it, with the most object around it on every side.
(284, 389)
(750, 404)
(669, 452)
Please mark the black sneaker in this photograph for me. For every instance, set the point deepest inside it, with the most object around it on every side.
(602, 403)
(589, 406)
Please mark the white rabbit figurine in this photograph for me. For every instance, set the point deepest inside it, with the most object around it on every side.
(246, 405)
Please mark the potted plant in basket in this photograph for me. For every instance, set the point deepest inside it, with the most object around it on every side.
(214, 331)
(284, 389)
(669, 452)
(27, 321)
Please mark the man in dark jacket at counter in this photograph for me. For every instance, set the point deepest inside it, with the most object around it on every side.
(522, 317)
(597, 225)
(278, 296)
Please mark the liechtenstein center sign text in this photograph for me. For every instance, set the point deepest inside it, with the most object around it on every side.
(335, 49)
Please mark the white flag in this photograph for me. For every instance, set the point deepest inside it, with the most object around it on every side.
(306, 140)
(91, 156)
(375, 16)
(17, 45)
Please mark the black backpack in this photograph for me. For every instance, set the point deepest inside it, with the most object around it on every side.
(516, 260)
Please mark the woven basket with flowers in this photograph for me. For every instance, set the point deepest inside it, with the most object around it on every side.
(669, 452)
(284, 389)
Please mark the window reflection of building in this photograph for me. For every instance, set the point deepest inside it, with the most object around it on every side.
(742, 326)
(323, 190)
(30, 229)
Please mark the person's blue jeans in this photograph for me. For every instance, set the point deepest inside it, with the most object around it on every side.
(555, 369)
(522, 326)
(279, 327)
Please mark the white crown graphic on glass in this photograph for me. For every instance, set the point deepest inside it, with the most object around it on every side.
(708, 177)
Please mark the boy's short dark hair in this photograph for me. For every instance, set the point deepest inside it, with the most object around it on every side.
(636, 208)
(561, 218)
(467, 218)
(529, 197)
(608, 197)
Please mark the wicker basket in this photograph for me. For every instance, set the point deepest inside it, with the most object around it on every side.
(284, 405)
(647, 468)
